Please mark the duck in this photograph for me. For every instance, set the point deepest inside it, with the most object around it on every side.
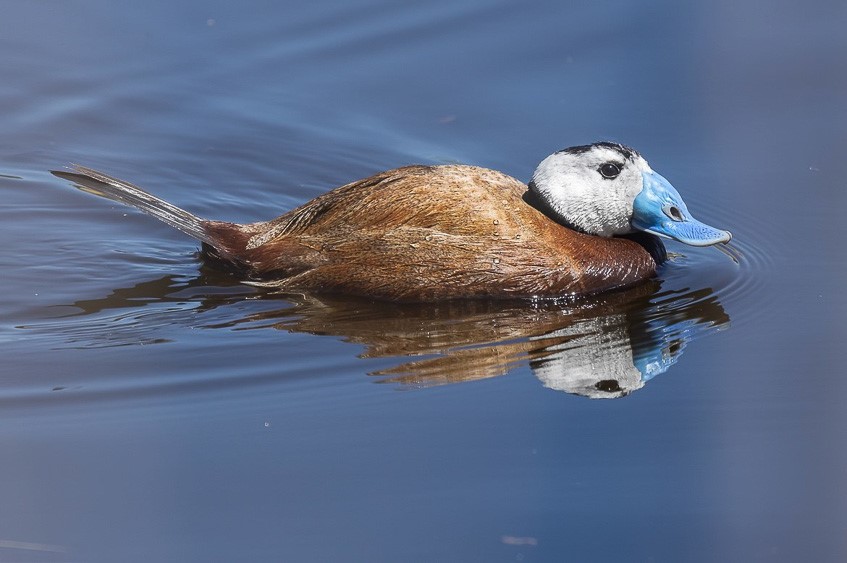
(590, 220)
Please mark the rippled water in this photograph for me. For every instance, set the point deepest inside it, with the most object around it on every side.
(156, 409)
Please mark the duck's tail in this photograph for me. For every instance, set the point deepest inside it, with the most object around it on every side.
(103, 185)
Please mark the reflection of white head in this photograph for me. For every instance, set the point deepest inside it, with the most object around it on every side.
(597, 362)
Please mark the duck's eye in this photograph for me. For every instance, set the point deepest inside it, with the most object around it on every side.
(608, 385)
(610, 170)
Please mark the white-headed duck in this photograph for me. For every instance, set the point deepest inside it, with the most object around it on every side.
(584, 224)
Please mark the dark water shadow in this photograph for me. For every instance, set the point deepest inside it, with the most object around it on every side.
(605, 346)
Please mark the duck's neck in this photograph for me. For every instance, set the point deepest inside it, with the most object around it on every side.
(532, 198)
(651, 243)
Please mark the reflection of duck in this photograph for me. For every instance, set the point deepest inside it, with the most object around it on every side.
(423, 233)
(602, 347)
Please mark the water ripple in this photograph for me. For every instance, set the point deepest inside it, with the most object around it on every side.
(741, 287)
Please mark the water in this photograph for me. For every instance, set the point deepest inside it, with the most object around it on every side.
(154, 409)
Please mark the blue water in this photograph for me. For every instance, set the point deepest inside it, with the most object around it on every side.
(155, 409)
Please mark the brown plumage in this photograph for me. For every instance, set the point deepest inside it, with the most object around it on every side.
(418, 233)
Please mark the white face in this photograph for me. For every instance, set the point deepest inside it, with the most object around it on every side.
(592, 188)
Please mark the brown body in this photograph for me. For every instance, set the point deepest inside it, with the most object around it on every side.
(419, 233)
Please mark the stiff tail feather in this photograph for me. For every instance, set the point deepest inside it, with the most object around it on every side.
(103, 185)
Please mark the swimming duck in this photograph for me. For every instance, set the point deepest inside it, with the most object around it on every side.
(587, 222)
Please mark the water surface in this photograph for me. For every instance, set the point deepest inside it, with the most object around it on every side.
(156, 409)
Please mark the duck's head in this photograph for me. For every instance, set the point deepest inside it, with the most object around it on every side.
(608, 189)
